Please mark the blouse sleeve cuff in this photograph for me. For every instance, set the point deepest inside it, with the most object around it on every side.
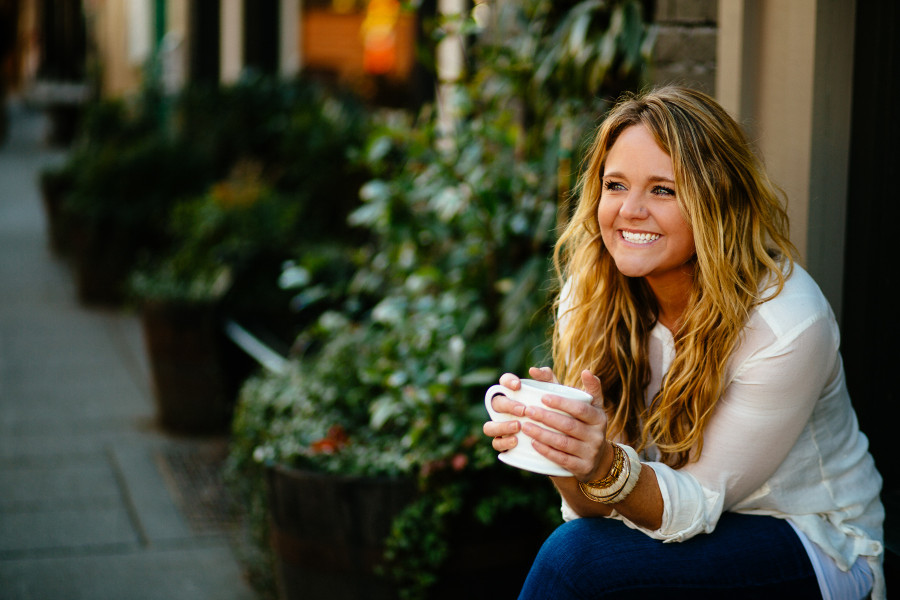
(688, 508)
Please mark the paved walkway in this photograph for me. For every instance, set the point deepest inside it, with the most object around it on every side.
(95, 502)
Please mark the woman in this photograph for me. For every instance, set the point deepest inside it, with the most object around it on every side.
(721, 420)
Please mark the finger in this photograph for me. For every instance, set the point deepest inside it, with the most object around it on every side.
(584, 412)
(504, 443)
(501, 428)
(511, 381)
(561, 445)
(592, 384)
(563, 424)
(542, 374)
(577, 466)
(505, 404)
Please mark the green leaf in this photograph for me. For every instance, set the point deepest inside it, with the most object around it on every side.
(479, 377)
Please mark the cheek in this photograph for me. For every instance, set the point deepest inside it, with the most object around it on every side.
(606, 216)
(675, 226)
(684, 239)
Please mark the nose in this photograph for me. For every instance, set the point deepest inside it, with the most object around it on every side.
(633, 207)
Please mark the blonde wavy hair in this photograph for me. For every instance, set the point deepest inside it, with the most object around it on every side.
(743, 257)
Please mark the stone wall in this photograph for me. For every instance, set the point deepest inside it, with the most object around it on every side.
(685, 51)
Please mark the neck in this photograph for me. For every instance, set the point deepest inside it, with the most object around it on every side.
(670, 316)
(672, 297)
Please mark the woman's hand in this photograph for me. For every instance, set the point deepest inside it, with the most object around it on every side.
(579, 443)
(504, 433)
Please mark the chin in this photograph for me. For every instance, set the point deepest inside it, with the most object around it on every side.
(632, 270)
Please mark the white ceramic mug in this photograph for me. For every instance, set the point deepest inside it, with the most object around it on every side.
(524, 456)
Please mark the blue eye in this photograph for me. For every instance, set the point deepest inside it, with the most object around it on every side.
(663, 191)
(613, 186)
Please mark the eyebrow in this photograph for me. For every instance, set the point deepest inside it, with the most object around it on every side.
(652, 178)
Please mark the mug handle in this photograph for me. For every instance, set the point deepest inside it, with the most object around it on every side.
(492, 391)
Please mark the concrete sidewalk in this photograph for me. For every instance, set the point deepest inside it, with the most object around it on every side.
(95, 502)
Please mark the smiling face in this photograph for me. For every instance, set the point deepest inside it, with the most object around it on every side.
(640, 220)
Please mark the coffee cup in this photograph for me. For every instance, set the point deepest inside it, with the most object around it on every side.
(524, 456)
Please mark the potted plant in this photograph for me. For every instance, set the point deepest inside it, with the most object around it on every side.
(289, 185)
(186, 295)
(127, 171)
(343, 476)
(301, 138)
(106, 122)
(451, 291)
(55, 183)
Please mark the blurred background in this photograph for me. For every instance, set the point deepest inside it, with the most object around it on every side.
(308, 233)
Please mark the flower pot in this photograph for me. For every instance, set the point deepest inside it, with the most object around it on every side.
(327, 532)
(54, 187)
(102, 257)
(195, 370)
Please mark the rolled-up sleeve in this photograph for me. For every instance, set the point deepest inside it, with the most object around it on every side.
(688, 507)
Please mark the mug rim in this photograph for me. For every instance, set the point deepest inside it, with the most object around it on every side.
(556, 388)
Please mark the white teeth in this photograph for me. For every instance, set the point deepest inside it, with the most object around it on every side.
(639, 238)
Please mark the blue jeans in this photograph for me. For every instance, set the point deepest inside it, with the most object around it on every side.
(746, 556)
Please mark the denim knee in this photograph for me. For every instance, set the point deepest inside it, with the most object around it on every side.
(564, 564)
(747, 557)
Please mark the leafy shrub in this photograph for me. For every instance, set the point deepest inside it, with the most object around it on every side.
(286, 179)
(453, 285)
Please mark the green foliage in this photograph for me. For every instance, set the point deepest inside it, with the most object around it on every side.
(418, 541)
(125, 173)
(285, 181)
(302, 133)
(218, 237)
(134, 185)
(166, 176)
(461, 226)
(453, 285)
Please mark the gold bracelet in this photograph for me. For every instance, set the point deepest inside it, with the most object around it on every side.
(608, 494)
(614, 480)
(622, 486)
(614, 471)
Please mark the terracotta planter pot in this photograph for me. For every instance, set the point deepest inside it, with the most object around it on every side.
(196, 370)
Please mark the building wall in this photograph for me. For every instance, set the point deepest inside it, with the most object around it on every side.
(685, 51)
(785, 72)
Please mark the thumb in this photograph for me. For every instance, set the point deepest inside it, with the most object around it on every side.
(592, 384)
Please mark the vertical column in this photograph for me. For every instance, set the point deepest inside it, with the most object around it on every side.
(159, 22)
(231, 40)
(140, 31)
(449, 62)
(289, 59)
(830, 146)
(736, 62)
(174, 50)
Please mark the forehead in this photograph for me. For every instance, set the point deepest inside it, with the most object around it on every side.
(636, 150)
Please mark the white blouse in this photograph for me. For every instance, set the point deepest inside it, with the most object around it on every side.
(783, 440)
